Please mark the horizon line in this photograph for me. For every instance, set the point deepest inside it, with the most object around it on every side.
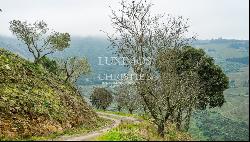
(101, 36)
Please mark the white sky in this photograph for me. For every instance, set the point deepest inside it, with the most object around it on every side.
(208, 18)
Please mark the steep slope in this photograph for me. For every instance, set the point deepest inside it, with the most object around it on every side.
(34, 102)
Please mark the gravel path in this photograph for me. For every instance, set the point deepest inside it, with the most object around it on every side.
(117, 119)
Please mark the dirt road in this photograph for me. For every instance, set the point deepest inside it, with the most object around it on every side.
(117, 119)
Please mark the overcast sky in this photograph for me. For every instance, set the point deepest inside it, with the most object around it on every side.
(208, 18)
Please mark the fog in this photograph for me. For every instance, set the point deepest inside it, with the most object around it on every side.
(208, 18)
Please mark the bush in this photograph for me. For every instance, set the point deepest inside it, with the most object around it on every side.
(50, 65)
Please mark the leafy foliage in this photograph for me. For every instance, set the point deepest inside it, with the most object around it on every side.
(101, 98)
(51, 65)
(127, 97)
(73, 67)
(213, 80)
(36, 39)
(217, 127)
(139, 36)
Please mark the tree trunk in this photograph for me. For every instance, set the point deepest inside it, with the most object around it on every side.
(178, 120)
(37, 60)
(130, 111)
(104, 108)
(145, 109)
(188, 117)
(160, 129)
(119, 108)
(66, 80)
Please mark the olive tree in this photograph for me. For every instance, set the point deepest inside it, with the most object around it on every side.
(73, 67)
(101, 98)
(37, 38)
(211, 82)
(128, 98)
(119, 100)
(178, 91)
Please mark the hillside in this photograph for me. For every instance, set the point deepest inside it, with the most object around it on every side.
(35, 103)
(228, 54)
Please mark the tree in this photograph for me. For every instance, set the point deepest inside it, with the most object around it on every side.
(140, 36)
(73, 67)
(39, 42)
(212, 80)
(119, 102)
(167, 90)
(101, 98)
(197, 83)
(211, 75)
(127, 97)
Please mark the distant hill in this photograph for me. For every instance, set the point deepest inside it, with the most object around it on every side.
(90, 47)
(243, 60)
(33, 102)
(94, 47)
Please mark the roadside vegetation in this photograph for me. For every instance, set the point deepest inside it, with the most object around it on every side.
(79, 130)
(142, 130)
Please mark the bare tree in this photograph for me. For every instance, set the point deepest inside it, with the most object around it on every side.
(139, 35)
(36, 37)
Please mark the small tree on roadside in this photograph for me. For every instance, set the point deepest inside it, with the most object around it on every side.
(101, 98)
(73, 67)
(37, 38)
(119, 100)
(127, 97)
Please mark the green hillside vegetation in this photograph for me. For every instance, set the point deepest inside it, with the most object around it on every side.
(225, 46)
(243, 60)
(215, 126)
(35, 102)
(231, 121)
(141, 130)
(236, 108)
(144, 131)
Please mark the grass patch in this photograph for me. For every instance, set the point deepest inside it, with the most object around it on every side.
(124, 132)
(143, 131)
(144, 117)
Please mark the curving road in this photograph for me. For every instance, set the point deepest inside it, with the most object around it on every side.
(117, 119)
